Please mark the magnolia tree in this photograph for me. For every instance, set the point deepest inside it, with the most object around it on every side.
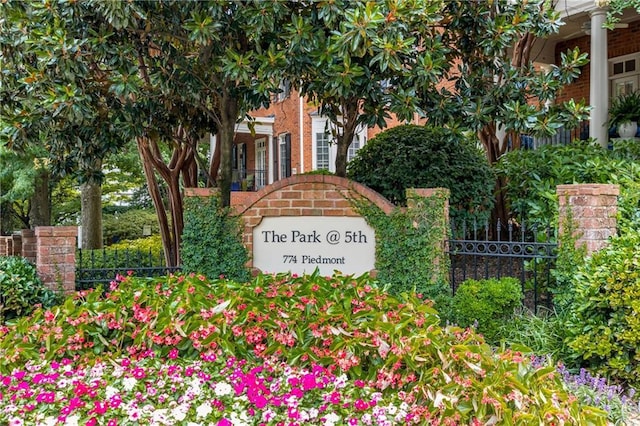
(362, 61)
(491, 84)
(93, 74)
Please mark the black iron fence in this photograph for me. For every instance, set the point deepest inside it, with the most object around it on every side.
(100, 267)
(515, 250)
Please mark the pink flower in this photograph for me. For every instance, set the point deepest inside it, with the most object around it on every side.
(139, 373)
(360, 405)
(46, 397)
(173, 353)
(224, 422)
(309, 382)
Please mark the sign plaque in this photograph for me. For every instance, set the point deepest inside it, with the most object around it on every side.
(300, 244)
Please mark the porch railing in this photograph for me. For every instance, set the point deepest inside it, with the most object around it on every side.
(248, 179)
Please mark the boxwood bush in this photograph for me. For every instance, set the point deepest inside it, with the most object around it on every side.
(487, 304)
(21, 290)
(413, 156)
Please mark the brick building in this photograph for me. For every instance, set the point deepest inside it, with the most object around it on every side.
(290, 137)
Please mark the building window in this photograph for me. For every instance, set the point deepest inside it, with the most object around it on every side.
(284, 91)
(322, 151)
(354, 147)
(284, 155)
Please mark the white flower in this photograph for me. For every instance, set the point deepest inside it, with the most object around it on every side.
(72, 420)
(180, 412)
(268, 415)
(222, 389)
(392, 409)
(129, 383)
(203, 410)
(331, 419)
(341, 381)
(110, 391)
(313, 413)
(16, 421)
(50, 421)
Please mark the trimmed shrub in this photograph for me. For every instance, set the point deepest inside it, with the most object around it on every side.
(21, 290)
(486, 304)
(128, 225)
(604, 318)
(143, 252)
(413, 156)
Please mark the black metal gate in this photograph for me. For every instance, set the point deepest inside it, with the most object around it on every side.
(100, 267)
(479, 252)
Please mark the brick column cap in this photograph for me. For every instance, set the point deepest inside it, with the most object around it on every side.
(588, 189)
(200, 192)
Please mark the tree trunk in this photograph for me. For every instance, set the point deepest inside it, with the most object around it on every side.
(91, 215)
(214, 167)
(494, 150)
(350, 111)
(40, 203)
(182, 164)
(168, 245)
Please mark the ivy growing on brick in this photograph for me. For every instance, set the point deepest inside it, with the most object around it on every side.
(410, 251)
(212, 240)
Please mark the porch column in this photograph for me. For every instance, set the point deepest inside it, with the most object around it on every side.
(599, 81)
(270, 177)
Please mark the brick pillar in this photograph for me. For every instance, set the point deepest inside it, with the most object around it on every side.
(29, 249)
(593, 210)
(56, 256)
(6, 246)
(422, 200)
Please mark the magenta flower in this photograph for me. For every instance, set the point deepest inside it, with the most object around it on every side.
(224, 422)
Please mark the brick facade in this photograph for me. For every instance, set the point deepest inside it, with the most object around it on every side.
(593, 209)
(622, 41)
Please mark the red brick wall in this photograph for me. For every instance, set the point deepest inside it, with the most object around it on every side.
(308, 195)
(593, 210)
(6, 246)
(29, 245)
(621, 41)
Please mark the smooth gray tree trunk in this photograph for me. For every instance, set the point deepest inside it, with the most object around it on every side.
(91, 217)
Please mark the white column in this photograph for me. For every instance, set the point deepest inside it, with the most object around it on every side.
(301, 127)
(599, 83)
(270, 177)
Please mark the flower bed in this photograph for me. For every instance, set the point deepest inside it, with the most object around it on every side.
(366, 345)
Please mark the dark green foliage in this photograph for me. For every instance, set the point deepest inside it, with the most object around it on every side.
(21, 289)
(532, 177)
(409, 253)
(487, 303)
(128, 225)
(413, 156)
(604, 320)
(212, 240)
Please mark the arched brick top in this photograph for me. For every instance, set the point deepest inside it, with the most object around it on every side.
(310, 183)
